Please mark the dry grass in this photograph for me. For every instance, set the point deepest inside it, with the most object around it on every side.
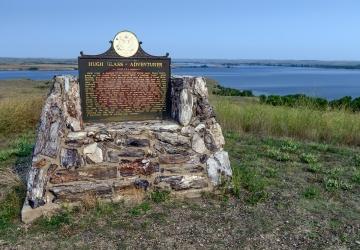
(8, 181)
(19, 115)
(302, 123)
(20, 105)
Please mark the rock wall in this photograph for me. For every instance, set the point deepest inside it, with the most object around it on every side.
(73, 161)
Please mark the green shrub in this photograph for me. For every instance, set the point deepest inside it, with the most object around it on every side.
(140, 209)
(223, 91)
(54, 222)
(257, 197)
(21, 147)
(357, 160)
(332, 184)
(356, 177)
(300, 100)
(270, 172)
(290, 146)
(297, 100)
(314, 167)
(236, 180)
(342, 103)
(278, 155)
(6, 154)
(33, 68)
(104, 208)
(10, 207)
(311, 192)
(355, 104)
(254, 183)
(159, 196)
(308, 158)
(24, 145)
(344, 185)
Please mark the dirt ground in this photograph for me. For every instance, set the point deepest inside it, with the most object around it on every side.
(287, 195)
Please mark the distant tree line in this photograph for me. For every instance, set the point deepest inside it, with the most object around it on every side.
(33, 68)
(303, 65)
(223, 91)
(297, 100)
(346, 102)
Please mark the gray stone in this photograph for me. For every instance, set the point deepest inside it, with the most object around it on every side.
(164, 147)
(173, 138)
(76, 135)
(70, 158)
(135, 142)
(62, 176)
(187, 131)
(164, 126)
(195, 121)
(75, 143)
(37, 181)
(141, 184)
(94, 153)
(198, 144)
(135, 127)
(102, 135)
(77, 190)
(185, 107)
(51, 124)
(131, 152)
(187, 182)
(112, 156)
(204, 110)
(216, 135)
(183, 182)
(71, 102)
(200, 127)
(200, 87)
(184, 168)
(218, 165)
(138, 167)
(173, 159)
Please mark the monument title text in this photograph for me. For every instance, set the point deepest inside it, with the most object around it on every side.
(125, 64)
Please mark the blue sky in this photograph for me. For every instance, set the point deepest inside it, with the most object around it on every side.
(253, 29)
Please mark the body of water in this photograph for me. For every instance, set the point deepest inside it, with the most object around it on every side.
(326, 83)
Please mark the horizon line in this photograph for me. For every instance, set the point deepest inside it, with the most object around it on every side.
(225, 59)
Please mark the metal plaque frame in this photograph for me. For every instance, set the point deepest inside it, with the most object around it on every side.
(111, 56)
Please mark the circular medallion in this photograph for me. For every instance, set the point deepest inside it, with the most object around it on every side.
(126, 44)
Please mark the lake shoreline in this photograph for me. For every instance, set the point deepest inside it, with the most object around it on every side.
(7, 63)
(262, 80)
(74, 67)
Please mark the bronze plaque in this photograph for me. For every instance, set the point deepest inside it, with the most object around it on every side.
(116, 88)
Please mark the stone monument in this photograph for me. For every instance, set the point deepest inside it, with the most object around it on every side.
(124, 128)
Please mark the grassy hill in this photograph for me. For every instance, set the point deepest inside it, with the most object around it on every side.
(296, 184)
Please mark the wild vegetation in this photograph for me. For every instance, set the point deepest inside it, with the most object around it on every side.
(330, 126)
(296, 184)
(346, 103)
(20, 105)
(223, 91)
